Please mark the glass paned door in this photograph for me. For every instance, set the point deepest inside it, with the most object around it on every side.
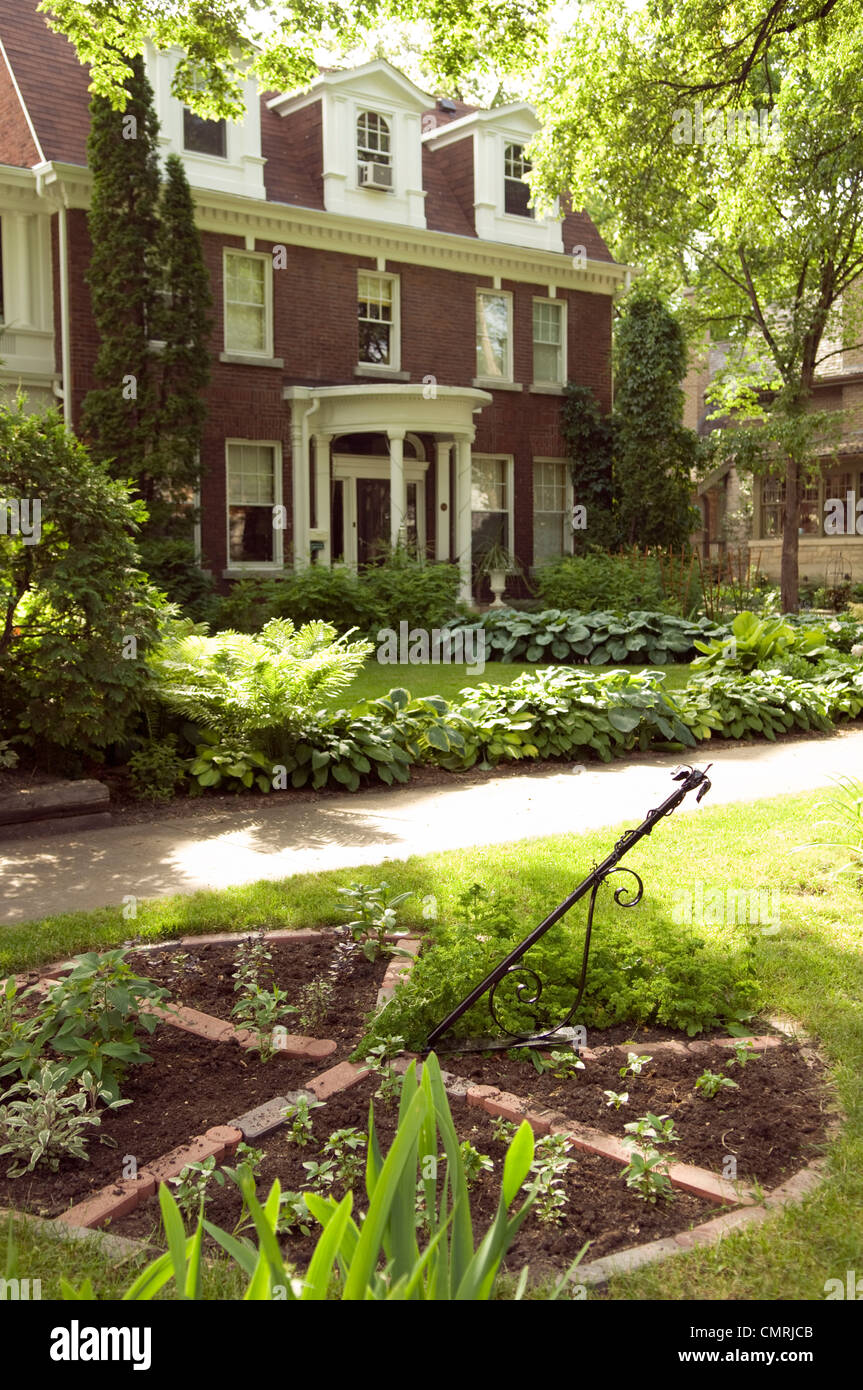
(373, 518)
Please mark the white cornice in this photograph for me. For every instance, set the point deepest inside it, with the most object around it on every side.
(233, 215)
(352, 78)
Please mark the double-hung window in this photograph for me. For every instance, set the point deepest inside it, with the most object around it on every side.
(378, 312)
(204, 136)
(516, 193)
(248, 304)
(254, 491)
(493, 335)
(490, 503)
(549, 342)
(552, 510)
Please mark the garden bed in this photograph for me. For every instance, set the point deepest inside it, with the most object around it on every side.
(771, 1123)
(599, 1207)
(200, 976)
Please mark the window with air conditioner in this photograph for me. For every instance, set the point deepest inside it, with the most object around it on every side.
(374, 152)
(516, 193)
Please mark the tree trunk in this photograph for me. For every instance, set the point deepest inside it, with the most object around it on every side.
(790, 569)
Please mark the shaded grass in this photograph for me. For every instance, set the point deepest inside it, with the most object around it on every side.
(375, 680)
(812, 969)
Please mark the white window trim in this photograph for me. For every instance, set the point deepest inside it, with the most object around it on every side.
(508, 377)
(569, 500)
(277, 562)
(267, 350)
(562, 305)
(512, 216)
(509, 460)
(395, 362)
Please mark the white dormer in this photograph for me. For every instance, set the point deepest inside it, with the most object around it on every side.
(500, 161)
(222, 155)
(372, 138)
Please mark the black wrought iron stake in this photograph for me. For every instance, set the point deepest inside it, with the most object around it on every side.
(689, 778)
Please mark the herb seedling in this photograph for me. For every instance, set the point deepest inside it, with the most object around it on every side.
(563, 1064)
(634, 1064)
(321, 1174)
(549, 1166)
(616, 1098)
(647, 1174)
(743, 1052)
(192, 1183)
(293, 1215)
(316, 1000)
(373, 916)
(299, 1120)
(345, 1147)
(475, 1163)
(503, 1131)
(710, 1082)
(378, 1059)
(258, 1008)
(652, 1129)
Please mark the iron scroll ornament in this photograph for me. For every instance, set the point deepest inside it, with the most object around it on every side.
(690, 778)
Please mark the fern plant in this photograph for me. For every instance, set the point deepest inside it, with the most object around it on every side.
(245, 688)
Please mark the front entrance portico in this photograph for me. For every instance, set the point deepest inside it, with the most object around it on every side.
(396, 411)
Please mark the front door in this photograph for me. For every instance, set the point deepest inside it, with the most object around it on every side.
(373, 518)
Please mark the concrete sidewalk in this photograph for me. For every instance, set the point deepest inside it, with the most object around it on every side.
(278, 837)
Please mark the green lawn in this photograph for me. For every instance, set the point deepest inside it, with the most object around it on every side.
(375, 679)
(812, 970)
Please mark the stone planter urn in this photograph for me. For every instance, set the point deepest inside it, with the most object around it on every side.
(497, 584)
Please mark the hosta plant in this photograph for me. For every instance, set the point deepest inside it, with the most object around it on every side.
(42, 1121)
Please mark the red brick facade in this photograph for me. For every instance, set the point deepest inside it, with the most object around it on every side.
(314, 297)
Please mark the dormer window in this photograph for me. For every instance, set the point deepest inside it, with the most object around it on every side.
(201, 136)
(516, 193)
(374, 152)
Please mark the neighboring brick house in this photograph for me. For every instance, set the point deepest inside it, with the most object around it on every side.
(393, 327)
(751, 515)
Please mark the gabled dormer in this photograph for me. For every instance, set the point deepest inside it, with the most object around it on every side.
(498, 140)
(371, 124)
(221, 155)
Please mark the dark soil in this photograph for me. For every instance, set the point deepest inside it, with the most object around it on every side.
(772, 1123)
(600, 1207)
(190, 1086)
(202, 978)
(193, 1084)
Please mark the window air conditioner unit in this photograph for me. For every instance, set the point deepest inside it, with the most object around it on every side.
(376, 176)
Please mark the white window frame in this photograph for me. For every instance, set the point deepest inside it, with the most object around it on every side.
(267, 350)
(561, 305)
(509, 462)
(569, 502)
(395, 362)
(277, 562)
(508, 376)
(390, 161)
(219, 159)
(530, 214)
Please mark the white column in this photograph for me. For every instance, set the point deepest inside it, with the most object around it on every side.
(442, 505)
(322, 495)
(300, 487)
(398, 504)
(462, 512)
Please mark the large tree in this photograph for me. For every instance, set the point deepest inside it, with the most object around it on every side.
(151, 298)
(760, 216)
(280, 40)
(118, 414)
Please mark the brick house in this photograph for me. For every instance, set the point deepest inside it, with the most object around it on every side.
(748, 514)
(393, 327)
